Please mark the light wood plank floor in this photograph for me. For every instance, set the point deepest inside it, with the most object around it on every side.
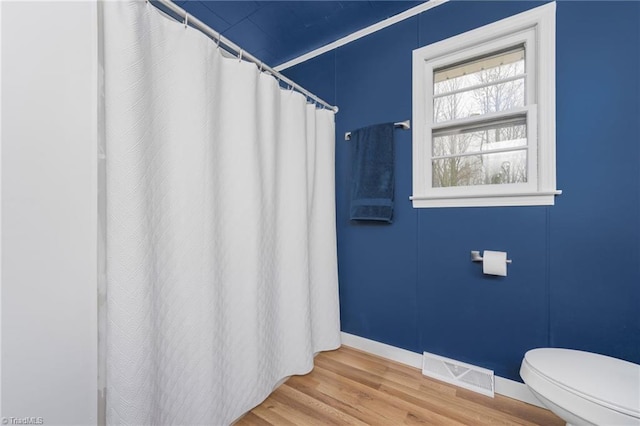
(350, 387)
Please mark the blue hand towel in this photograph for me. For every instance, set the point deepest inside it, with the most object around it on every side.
(372, 178)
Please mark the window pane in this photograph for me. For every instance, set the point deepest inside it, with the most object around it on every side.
(479, 101)
(493, 136)
(486, 169)
(478, 71)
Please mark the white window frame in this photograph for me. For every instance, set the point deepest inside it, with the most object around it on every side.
(535, 29)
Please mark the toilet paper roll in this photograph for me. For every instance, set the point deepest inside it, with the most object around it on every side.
(494, 263)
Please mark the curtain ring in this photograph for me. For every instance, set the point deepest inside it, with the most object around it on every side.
(186, 20)
(240, 56)
(218, 42)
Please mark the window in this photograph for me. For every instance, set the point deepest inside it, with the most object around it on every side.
(484, 115)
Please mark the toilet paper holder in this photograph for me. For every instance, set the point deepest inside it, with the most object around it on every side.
(475, 256)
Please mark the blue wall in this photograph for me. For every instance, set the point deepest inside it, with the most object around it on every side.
(575, 277)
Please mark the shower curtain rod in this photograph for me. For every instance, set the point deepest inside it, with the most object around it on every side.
(242, 54)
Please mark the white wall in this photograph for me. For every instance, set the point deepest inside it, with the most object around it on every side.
(48, 193)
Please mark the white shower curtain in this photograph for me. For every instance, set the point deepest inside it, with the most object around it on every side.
(221, 247)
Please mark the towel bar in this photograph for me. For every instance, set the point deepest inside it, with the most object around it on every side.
(405, 125)
(475, 257)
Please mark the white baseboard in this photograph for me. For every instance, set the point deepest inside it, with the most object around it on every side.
(506, 387)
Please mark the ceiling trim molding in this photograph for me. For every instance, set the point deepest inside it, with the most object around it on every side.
(361, 33)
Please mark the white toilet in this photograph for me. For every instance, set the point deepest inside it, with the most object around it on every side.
(584, 388)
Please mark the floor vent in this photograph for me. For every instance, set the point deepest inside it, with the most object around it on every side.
(458, 373)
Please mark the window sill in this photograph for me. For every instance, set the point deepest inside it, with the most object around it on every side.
(491, 200)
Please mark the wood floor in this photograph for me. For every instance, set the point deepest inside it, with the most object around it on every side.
(349, 387)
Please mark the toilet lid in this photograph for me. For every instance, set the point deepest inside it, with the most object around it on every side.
(610, 382)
